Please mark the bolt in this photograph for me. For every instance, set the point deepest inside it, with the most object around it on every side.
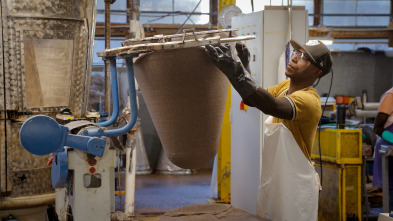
(92, 170)
(92, 161)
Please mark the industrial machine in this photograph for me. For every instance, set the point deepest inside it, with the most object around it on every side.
(342, 155)
(341, 172)
(45, 62)
(83, 164)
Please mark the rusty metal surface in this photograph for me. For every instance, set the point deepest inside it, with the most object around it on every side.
(41, 19)
(188, 34)
(28, 174)
(91, 23)
(188, 39)
(150, 47)
(2, 131)
(44, 8)
(21, 173)
(3, 177)
(1, 66)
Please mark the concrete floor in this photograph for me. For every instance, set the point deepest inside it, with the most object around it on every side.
(156, 194)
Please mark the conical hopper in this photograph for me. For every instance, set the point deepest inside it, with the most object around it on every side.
(185, 94)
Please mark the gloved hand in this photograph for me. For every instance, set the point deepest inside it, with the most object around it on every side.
(230, 64)
(244, 54)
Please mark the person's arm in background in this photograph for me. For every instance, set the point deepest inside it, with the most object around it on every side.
(384, 111)
(240, 78)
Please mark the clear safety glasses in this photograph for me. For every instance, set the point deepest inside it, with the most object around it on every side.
(299, 55)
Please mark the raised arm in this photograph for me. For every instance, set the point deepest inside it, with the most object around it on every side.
(231, 65)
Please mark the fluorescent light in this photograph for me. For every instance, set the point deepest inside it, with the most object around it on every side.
(327, 41)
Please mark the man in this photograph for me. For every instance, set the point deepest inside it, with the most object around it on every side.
(289, 185)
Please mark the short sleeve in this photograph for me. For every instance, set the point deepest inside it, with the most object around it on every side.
(277, 89)
(307, 105)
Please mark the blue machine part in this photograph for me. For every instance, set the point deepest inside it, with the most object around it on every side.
(100, 109)
(132, 95)
(41, 135)
(59, 172)
(115, 95)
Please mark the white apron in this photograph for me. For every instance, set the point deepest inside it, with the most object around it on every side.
(289, 185)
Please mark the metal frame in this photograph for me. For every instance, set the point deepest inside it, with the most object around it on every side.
(331, 140)
(224, 149)
(65, 20)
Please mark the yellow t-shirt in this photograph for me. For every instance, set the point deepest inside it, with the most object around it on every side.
(307, 112)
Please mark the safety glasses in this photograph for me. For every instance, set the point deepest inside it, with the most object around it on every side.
(299, 55)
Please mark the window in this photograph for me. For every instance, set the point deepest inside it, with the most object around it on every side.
(99, 45)
(174, 11)
(365, 13)
(118, 11)
(246, 7)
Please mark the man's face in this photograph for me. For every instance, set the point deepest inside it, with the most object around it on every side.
(300, 67)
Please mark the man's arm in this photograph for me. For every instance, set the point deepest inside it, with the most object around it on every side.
(384, 111)
(280, 107)
(242, 81)
(380, 123)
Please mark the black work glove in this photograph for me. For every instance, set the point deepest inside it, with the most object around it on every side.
(244, 54)
(230, 64)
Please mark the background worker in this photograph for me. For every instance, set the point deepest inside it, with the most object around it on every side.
(383, 127)
(289, 184)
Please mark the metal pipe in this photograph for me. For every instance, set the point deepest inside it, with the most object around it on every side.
(129, 209)
(107, 46)
(370, 106)
(133, 116)
(134, 10)
(132, 95)
(122, 12)
(349, 15)
(115, 94)
(365, 113)
(27, 201)
(129, 204)
(134, 15)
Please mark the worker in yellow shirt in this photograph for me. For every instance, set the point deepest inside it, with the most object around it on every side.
(289, 185)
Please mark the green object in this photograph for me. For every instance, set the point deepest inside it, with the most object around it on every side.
(364, 136)
(388, 136)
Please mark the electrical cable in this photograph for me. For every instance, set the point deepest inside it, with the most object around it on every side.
(320, 125)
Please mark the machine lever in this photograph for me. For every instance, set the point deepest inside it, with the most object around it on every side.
(41, 135)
